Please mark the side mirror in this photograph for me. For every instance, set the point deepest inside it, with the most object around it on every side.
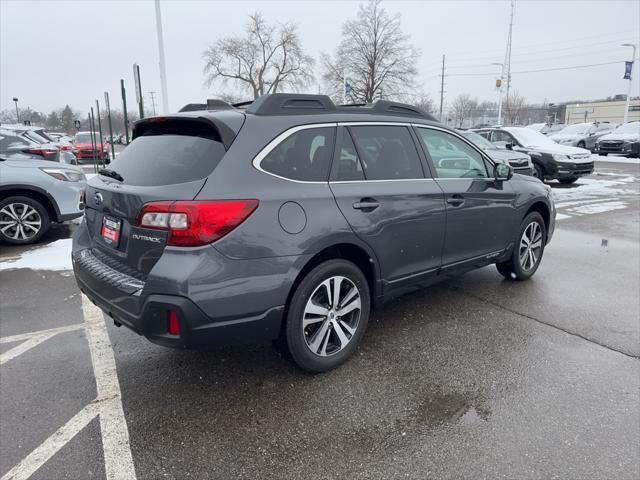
(508, 146)
(503, 171)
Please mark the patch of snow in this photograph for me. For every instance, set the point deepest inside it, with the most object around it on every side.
(562, 216)
(599, 207)
(611, 159)
(54, 256)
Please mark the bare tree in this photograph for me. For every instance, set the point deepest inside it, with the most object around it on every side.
(268, 59)
(463, 107)
(426, 103)
(377, 57)
(514, 107)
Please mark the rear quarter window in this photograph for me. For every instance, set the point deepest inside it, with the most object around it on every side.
(304, 155)
(170, 152)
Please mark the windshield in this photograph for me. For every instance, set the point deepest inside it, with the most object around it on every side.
(577, 129)
(631, 127)
(529, 138)
(86, 138)
(479, 140)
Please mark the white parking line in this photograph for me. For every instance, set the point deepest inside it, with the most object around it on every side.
(30, 340)
(53, 444)
(118, 459)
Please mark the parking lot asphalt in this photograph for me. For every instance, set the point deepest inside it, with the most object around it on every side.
(476, 377)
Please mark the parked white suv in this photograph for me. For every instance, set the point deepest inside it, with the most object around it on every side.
(34, 193)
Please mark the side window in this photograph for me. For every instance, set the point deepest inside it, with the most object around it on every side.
(348, 166)
(11, 141)
(387, 152)
(501, 138)
(452, 157)
(304, 155)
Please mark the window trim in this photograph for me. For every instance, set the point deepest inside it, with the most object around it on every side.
(281, 138)
(432, 166)
(412, 126)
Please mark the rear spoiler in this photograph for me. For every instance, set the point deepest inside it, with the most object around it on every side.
(226, 134)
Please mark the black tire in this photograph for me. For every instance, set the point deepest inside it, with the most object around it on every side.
(581, 145)
(299, 340)
(23, 232)
(513, 269)
(568, 181)
(603, 154)
(537, 172)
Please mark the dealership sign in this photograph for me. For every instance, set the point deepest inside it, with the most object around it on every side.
(627, 70)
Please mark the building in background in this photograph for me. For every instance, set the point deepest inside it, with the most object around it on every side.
(607, 111)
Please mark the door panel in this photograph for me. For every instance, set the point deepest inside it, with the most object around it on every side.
(480, 210)
(401, 219)
(405, 229)
(483, 223)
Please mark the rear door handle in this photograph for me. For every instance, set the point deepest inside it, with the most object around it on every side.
(366, 205)
(455, 200)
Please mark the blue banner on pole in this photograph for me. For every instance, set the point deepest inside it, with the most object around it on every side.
(627, 70)
(347, 89)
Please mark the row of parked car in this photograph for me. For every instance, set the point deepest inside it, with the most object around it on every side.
(598, 137)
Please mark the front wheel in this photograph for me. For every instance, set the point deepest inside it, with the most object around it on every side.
(528, 250)
(327, 316)
(538, 173)
(23, 220)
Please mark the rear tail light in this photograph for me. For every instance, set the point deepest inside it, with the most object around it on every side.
(173, 327)
(194, 223)
(42, 152)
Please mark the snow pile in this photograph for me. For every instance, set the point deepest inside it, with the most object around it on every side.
(54, 256)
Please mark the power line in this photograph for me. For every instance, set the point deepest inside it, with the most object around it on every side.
(535, 71)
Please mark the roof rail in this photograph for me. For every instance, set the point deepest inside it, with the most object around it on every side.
(212, 104)
(385, 106)
(291, 104)
(243, 104)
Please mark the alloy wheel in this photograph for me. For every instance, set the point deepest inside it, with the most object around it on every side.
(331, 316)
(19, 221)
(530, 246)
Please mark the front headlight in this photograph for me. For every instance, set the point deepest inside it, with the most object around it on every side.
(64, 175)
(560, 158)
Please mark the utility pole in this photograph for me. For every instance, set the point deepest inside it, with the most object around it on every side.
(163, 68)
(442, 89)
(101, 157)
(106, 102)
(507, 57)
(124, 111)
(153, 102)
(633, 59)
(15, 99)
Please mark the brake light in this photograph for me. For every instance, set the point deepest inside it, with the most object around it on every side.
(194, 223)
(42, 152)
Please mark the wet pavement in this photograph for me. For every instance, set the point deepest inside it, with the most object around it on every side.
(476, 377)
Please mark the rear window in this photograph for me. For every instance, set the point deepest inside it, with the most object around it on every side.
(170, 153)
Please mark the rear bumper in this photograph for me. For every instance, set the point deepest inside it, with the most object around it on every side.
(218, 301)
(197, 330)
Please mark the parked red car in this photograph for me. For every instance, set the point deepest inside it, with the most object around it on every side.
(83, 147)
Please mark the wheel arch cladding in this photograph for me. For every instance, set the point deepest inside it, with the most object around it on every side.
(345, 251)
(543, 210)
(35, 195)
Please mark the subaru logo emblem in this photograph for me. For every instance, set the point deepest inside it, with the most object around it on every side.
(98, 198)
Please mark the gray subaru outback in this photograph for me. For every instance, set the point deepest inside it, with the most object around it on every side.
(292, 218)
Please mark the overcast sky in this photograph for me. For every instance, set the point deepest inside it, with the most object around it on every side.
(54, 53)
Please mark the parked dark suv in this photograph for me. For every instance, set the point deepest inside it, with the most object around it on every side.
(291, 219)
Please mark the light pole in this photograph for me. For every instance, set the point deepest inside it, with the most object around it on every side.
(501, 65)
(15, 99)
(163, 68)
(633, 59)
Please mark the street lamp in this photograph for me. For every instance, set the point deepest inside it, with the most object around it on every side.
(501, 65)
(15, 99)
(633, 58)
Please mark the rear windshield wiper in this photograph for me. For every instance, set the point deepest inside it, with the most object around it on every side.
(110, 173)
